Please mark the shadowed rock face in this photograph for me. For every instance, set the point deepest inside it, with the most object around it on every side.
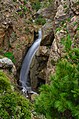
(39, 62)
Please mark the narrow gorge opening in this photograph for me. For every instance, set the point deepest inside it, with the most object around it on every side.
(24, 72)
(37, 67)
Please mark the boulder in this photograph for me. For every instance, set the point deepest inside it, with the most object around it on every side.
(6, 63)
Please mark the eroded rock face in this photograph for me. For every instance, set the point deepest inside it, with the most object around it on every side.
(66, 24)
(16, 28)
(38, 67)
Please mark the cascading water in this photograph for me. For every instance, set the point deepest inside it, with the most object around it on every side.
(24, 78)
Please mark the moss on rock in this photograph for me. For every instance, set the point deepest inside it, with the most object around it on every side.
(5, 84)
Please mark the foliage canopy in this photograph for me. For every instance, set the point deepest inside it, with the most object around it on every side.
(60, 99)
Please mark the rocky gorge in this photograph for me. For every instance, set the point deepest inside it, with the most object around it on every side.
(19, 24)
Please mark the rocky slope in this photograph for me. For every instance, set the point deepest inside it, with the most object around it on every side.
(16, 28)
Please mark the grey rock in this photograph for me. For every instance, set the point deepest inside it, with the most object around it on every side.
(7, 63)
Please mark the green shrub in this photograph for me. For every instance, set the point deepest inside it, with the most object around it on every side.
(67, 42)
(24, 9)
(4, 82)
(14, 0)
(60, 99)
(27, 30)
(10, 56)
(40, 20)
(36, 5)
(14, 106)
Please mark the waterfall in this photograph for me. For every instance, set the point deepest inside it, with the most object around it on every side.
(24, 79)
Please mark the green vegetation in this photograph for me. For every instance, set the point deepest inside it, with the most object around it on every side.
(14, 0)
(60, 99)
(40, 20)
(36, 5)
(53, 62)
(12, 104)
(58, 29)
(65, 6)
(27, 30)
(67, 42)
(4, 82)
(10, 56)
(50, 1)
(23, 9)
(25, 2)
(78, 28)
(78, 2)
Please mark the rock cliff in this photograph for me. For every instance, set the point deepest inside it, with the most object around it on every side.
(61, 22)
(66, 25)
(16, 28)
